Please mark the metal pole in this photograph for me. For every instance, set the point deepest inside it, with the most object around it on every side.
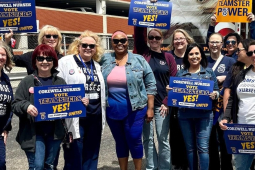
(64, 38)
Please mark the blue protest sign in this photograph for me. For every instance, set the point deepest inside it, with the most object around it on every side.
(19, 16)
(240, 139)
(59, 101)
(190, 93)
(143, 13)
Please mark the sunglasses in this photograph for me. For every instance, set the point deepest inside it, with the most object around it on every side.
(117, 41)
(41, 58)
(152, 37)
(250, 53)
(232, 42)
(49, 36)
(85, 45)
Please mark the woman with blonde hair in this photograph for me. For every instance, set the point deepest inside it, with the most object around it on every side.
(81, 67)
(5, 101)
(48, 35)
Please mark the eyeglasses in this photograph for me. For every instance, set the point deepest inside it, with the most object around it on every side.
(250, 53)
(117, 41)
(49, 36)
(215, 42)
(179, 39)
(152, 37)
(85, 45)
(239, 50)
(41, 58)
(232, 42)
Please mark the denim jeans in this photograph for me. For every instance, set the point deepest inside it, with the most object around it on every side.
(162, 159)
(243, 161)
(196, 134)
(2, 154)
(46, 149)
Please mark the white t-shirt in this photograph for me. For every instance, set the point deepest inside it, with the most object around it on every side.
(246, 95)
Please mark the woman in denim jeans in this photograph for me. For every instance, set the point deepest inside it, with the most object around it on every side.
(196, 124)
(130, 89)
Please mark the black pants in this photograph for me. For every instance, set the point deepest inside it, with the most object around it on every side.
(218, 162)
(178, 149)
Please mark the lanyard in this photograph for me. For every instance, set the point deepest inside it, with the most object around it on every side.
(91, 69)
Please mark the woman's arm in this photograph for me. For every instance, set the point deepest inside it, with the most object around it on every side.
(139, 40)
(226, 95)
(150, 108)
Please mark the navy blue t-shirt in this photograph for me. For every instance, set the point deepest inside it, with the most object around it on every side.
(178, 61)
(92, 89)
(223, 67)
(160, 69)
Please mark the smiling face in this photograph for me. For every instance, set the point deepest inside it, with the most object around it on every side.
(155, 43)
(3, 57)
(241, 52)
(119, 48)
(252, 48)
(231, 44)
(86, 49)
(50, 38)
(194, 57)
(44, 66)
(215, 43)
(180, 41)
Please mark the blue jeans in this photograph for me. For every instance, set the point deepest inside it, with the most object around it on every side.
(196, 134)
(2, 154)
(162, 160)
(46, 149)
(243, 161)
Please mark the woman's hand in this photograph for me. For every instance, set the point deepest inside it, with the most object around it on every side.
(5, 135)
(32, 110)
(85, 101)
(222, 126)
(8, 36)
(213, 20)
(168, 88)
(150, 115)
(250, 17)
(213, 95)
(164, 110)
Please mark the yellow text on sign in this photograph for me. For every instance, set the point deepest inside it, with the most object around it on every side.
(150, 18)
(190, 98)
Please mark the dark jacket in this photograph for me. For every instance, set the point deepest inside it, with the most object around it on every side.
(142, 49)
(23, 98)
(5, 120)
(25, 60)
(233, 101)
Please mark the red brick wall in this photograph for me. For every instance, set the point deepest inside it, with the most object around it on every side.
(126, 0)
(114, 24)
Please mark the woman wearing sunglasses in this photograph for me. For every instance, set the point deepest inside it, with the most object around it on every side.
(49, 35)
(39, 140)
(81, 67)
(130, 90)
(163, 66)
(240, 108)
(6, 98)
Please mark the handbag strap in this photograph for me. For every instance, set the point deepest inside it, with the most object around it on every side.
(217, 62)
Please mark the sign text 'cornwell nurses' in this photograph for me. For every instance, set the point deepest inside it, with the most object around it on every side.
(190, 93)
(233, 10)
(143, 13)
(240, 138)
(19, 16)
(59, 101)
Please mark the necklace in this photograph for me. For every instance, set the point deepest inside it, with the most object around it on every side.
(118, 61)
(91, 70)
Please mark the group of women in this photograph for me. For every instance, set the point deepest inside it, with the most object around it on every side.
(128, 91)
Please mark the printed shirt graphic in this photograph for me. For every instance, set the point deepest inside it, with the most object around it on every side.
(5, 97)
(92, 89)
(223, 67)
(178, 61)
(246, 94)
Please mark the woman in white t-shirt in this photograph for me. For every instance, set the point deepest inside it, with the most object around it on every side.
(241, 105)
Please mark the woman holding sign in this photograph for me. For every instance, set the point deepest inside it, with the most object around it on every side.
(130, 90)
(196, 124)
(240, 108)
(81, 67)
(5, 101)
(39, 140)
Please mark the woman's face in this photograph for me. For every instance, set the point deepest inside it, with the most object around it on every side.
(50, 38)
(180, 41)
(87, 48)
(241, 52)
(231, 44)
(194, 57)
(252, 57)
(120, 44)
(44, 63)
(3, 57)
(155, 40)
(215, 43)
